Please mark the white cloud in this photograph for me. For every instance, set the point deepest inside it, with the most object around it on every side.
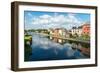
(59, 19)
(29, 14)
(56, 20)
(73, 19)
(35, 20)
(45, 16)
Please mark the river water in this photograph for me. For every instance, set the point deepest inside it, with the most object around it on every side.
(44, 48)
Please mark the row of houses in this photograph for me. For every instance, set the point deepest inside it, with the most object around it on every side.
(79, 31)
(59, 32)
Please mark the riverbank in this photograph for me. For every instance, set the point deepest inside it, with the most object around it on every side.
(44, 48)
(64, 38)
(27, 45)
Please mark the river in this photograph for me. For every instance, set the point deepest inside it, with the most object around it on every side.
(45, 48)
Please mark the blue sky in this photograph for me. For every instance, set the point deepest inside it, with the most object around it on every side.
(46, 20)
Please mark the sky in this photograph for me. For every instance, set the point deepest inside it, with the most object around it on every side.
(46, 20)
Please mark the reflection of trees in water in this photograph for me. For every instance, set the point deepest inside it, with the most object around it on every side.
(46, 48)
(82, 47)
(62, 41)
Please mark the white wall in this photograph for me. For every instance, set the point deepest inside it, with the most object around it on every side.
(5, 26)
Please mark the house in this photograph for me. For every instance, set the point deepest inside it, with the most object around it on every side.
(77, 31)
(59, 32)
(81, 30)
(86, 29)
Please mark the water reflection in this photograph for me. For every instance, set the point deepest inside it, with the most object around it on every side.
(47, 48)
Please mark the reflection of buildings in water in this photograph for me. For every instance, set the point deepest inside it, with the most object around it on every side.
(57, 40)
(50, 37)
(58, 33)
(82, 47)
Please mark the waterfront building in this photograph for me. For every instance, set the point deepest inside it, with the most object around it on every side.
(77, 31)
(81, 30)
(86, 29)
(59, 32)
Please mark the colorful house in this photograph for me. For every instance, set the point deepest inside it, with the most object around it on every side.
(59, 32)
(86, 29)
(81, 30)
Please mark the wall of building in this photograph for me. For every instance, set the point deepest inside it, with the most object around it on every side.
(86, 29)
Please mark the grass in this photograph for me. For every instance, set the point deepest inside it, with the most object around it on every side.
(28, 37)
(28, 49)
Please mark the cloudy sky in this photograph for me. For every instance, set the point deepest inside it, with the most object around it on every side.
(41, 20)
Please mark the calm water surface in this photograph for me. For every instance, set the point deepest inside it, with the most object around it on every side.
(44, 48)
